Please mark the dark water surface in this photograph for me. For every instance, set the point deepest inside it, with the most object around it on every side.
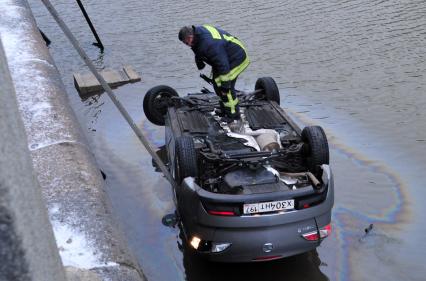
(357, 68)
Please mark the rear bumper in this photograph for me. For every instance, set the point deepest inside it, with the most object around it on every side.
(247, 244)
(248, 234)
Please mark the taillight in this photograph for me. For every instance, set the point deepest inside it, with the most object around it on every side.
(323, 232)
(310, 201)
(267, 258)
(221, 213)
(221, 209)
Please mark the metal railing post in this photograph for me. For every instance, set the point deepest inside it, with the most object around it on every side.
(92, 28)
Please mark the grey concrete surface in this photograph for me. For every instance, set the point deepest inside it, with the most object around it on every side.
(76, 274)
(70, 180)
(87, 82)
(132, 74)
(27, 245)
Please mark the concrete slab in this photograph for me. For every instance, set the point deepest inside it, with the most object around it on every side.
(87, 83)
(131, 73)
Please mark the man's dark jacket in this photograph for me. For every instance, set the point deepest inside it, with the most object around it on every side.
(222, 51)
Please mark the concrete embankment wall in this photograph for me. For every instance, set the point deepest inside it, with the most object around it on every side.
(27, 250)
(89, 241)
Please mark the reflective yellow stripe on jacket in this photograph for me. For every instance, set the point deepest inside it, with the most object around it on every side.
(231, 75)
(232, 103)
(213, 31)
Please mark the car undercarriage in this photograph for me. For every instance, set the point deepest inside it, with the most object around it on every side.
(260, 165)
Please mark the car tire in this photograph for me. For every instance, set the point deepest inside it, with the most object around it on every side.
(270, 89)
(185, 159)
(156, 102)
(316, 149)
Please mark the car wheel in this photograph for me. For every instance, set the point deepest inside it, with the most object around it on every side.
(269, 87)
(156, 102)
(316, 148)
(185, 159)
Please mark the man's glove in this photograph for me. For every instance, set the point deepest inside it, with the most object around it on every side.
(199, 62)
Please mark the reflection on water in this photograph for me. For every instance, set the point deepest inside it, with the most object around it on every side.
(304, 267)
(99, 61)
(357, 68)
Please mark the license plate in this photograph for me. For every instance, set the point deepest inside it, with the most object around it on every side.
(268, 206)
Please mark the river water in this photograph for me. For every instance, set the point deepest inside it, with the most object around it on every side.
(357, 68)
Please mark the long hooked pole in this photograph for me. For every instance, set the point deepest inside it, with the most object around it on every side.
(92, 28)
(108, 90)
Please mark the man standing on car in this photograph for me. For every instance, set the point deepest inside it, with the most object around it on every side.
(225, 54)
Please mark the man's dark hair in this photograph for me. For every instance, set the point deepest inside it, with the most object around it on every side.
(185, 32)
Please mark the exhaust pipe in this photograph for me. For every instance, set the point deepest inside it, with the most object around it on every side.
(315, 182)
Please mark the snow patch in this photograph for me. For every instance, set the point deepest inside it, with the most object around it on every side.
(39, 109)
(42, 120)
(74, 246)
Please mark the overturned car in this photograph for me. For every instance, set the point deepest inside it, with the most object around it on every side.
(255, 189)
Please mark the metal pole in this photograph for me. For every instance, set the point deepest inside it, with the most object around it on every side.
(86, 16)
(108, 90)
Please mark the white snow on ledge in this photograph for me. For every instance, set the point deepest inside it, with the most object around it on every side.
(74, 247)
(36, 102)
(44, 121)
